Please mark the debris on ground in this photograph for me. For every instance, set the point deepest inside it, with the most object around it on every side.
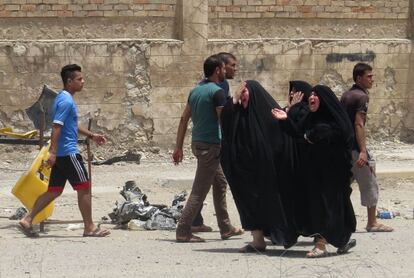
(396, 209)
(136, 213)
(73, 227)
(129, 156)
(19, 214)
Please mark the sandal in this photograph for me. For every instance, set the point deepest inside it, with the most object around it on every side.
(379, 228)
(233, 232)
(249, 248)
(191, 238)
(316, 253)
(28, 231)
(344, 249)
(201, 229)
(97, 233)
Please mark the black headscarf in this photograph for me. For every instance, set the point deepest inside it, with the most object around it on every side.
(331, 108)
(301, 86)
(299, 111)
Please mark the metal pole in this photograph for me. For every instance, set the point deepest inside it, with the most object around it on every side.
(88, 149)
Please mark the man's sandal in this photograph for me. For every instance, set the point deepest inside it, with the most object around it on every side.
(201, 229)
(97, 233)
(233, 232)
(316, 253)
(28, 231)
(191, 238)
(379, 228)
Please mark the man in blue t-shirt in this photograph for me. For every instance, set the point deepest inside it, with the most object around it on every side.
(230, 64)
(64, 157)
(204, 106)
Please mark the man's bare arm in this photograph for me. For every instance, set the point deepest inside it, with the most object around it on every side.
(54, 139)
(182, 129)
(360, 138)
(218, 111)
(97, 138)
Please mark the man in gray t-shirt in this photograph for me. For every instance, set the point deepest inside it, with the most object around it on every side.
(355, 102)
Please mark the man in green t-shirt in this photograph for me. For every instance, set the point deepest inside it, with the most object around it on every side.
(204, 106)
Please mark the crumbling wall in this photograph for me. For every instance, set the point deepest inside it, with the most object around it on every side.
(117, 78)
(136, 88)
(408, 127)
(275, 62)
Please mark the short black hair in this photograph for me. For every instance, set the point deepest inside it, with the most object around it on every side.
(225, 56)
(68, 71)
(360, 69)
(210, 65)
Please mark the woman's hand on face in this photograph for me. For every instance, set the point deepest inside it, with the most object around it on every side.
(296, 98)
(238, 93)
(279, 114)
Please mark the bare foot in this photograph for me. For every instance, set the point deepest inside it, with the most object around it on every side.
(378, 227)
(97, 232)
(27, 229)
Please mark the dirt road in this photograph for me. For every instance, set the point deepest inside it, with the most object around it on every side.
(65, 253)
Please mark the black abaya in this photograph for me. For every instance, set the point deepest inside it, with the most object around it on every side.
(256, 159)
(326, 168)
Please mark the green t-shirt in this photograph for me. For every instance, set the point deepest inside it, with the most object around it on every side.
(203, 101)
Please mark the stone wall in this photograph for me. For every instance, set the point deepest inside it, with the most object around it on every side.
(89, 19)
(333, 9)
(136, 87)
(86, 8)
(341, 19)
(275, 62)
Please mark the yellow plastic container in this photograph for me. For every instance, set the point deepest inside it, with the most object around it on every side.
(8, 132)
(29, 187)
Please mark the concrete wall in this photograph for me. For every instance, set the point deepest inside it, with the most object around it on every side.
(408, 130)
(140, 69)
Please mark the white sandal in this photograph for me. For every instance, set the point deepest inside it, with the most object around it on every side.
(316, 253)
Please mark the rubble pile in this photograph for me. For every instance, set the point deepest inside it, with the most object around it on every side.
(137, 208)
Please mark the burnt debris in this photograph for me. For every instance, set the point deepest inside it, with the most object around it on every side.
(150, 217)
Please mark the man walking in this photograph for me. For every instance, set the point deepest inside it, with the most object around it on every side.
(64, 157)
(230, 65)
(355, 102)
(204, 106)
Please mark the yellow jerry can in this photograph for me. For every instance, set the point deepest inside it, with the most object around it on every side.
(29, 187)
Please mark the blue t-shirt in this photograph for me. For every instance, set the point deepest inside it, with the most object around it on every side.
(225, 86)
(65, 113)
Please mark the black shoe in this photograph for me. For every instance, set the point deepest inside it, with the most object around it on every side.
(344, 249)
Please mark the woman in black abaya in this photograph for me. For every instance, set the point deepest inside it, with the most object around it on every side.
(256, 161)
(327, 168)
(296, 196)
